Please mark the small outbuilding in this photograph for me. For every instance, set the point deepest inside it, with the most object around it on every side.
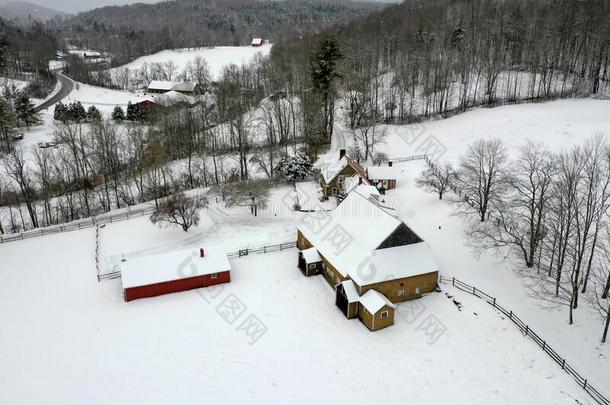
(382, 177)
(310, 262)
(347, 298)
(256, 42)
(176, 271)
(375, 310)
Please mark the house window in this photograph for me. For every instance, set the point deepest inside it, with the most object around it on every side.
(341, 179)
(312, 266)
(384, 314)
(334, 190)
(400, 293)
(214, 275)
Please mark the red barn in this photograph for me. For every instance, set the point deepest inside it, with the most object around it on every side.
(176, 271)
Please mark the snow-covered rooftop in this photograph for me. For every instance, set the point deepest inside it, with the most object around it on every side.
(333, 168)
(373, 301)
(311, 255)
(351, 292)
(367, 190)
(382, 173)
(161, 85)
(174, 265)
(396, 262)
(360, 223)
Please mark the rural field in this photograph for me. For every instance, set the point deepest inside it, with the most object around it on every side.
(305, 201)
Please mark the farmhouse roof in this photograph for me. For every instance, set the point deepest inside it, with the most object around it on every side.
(174, 265)
(335, 167)
(373, 301)
(351, 232)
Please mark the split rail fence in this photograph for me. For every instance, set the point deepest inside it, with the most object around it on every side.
(77, 225)
(525, 328)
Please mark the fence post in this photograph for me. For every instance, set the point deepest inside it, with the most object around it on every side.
(584, 387)
(494, 302)
(563, 364)
(453, 282)
(510, 316)
(544, 345)
(527, 329)
(474, 291)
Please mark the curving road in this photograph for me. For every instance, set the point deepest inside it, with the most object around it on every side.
(66, 87)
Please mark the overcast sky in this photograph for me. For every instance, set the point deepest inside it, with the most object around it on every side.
(75, 6)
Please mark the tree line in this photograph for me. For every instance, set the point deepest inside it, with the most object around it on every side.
(551, 210)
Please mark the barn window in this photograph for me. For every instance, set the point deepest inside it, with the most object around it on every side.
(400, 293)
(334, 190)
(312, 266)
(384, 314)
(341, 179)
(214, 275)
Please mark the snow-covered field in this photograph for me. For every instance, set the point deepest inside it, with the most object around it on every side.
(217, 58)
(557, 124)
(60, 326)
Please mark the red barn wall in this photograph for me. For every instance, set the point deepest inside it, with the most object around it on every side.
(173, 286)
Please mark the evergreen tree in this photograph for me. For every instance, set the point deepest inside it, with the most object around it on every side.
(77, 112)
(8, 121)
(118, 114)
(130, 111)
(60, 113)
(93, 114)
(324, 71)
(25, 111)
(294, 168)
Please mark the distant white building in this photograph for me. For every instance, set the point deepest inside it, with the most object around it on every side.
(256, 42)
(162, 86)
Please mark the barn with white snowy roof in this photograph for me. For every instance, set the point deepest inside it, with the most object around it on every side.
(175, 271)
(364, 242)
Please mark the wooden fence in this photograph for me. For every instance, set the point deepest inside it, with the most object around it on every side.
(77, 225)
(233, 255)
(527, 330)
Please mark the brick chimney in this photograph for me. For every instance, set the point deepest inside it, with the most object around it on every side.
(341, 153)
(201, 252)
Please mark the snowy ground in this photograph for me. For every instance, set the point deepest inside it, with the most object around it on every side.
(557, 124)
(62, 327)
(217, 58)
(78, 336)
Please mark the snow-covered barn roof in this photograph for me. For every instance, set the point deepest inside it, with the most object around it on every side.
(397, 262)
(373, 301)
(161, 85)
(382, 173)
(360, 222)
(174, 265)
(367, 190)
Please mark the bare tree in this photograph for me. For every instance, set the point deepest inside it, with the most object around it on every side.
(480, 175)
(522, 213)
(436, 179)
(180, 210)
